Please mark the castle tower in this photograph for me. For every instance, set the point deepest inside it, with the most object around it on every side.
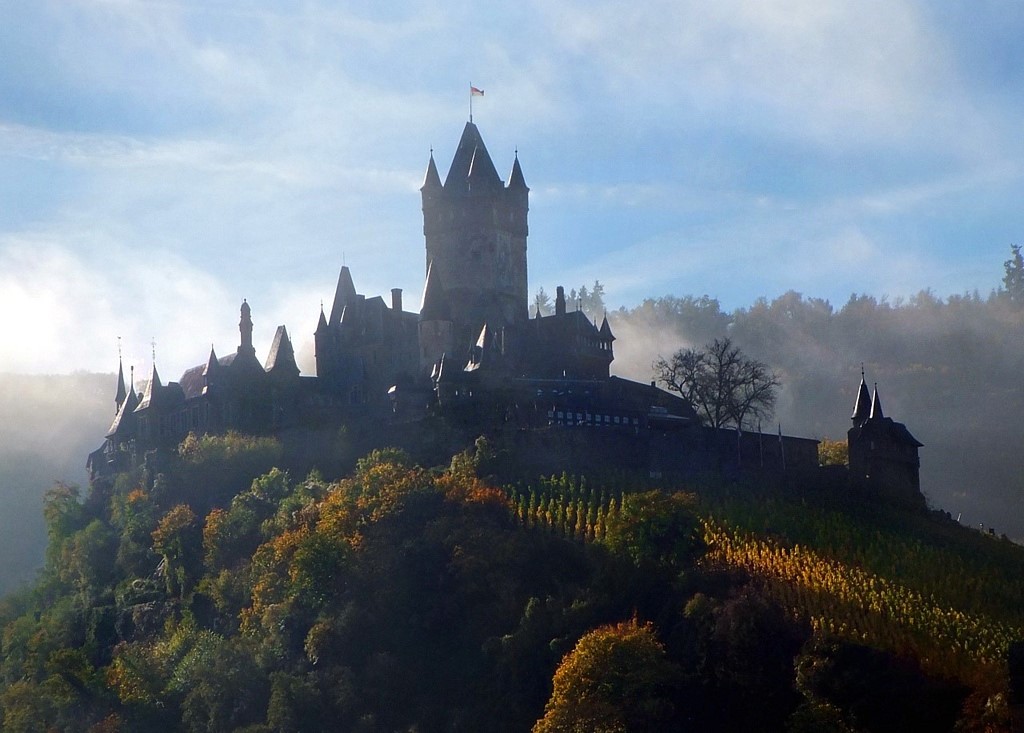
(475, 228)
(882, 452)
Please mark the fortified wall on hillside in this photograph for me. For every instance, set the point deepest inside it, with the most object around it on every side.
(473, 353)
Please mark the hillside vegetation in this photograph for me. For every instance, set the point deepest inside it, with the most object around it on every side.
(215, 592)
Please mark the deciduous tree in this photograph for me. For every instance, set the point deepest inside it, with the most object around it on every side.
(723, 385)
(616, 679)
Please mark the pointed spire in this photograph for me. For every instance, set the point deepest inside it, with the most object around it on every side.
(472, 168)
(321, 325)
(151, 390)
(122, 392)
(515, 178)
(212, 365)
(431, 181)
(282, 355)
(862, 407)
(434, 306)
(606, 330)
(876, 404)
(122, 418)
(345, 294)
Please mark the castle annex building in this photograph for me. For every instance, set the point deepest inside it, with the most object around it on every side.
(472, 350)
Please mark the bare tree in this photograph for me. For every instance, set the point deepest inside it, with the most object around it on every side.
(724, 386)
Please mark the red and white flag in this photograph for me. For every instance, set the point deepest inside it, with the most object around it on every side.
(474, 92)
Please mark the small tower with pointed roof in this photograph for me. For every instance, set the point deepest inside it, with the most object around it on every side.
(475, 229)
(122, 392)
(862, 407)
(883, 454)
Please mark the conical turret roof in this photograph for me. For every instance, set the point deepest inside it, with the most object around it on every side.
(123, 417)
(282, 355)
(151, 390)
(122, 393)
(472, 169)
(876, 404)
(431, 180)
(212, 365)
(515, 178)
(343, 295)
(434, 306)
(862, 407)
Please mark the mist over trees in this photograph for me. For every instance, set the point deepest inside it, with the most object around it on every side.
(724, 386)
(950, 368)
(48, 426)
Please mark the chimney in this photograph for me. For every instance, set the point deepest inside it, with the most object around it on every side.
(396, 300)
(560, 301)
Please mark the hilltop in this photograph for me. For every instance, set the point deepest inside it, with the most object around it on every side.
(467, 595)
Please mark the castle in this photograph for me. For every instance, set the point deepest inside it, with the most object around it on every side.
(472, 350)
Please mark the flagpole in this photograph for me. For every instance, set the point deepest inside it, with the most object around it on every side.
(471, 102)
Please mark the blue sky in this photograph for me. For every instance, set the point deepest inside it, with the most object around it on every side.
(160, 161)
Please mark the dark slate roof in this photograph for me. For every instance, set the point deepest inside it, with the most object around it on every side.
(160, 396)
(124, 416)
(343, 295)
(606, 330)
(515, 178)
(862, 407)
(282, 355)
(876, 404)
(472, 168)
(122, 393)
(193, 381)
(245, 362)
(431, 179)
(152, 390)
(212, 364)
(434, 306)
(567, 324)
(886, 429)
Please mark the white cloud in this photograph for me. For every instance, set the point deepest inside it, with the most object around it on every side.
(840, 74)
(72, 303)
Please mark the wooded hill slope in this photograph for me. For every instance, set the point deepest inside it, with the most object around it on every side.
(223, 594)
